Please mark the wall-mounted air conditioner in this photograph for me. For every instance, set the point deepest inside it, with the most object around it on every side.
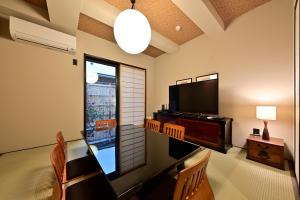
(21, 30)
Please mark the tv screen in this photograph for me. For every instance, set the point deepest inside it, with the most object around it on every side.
(198, 97)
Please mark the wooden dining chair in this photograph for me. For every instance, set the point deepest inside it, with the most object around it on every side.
(61, 142)
(174, 131)
(153, 125)
(107, 123)
(95, 187)
(192, 184)
(77, 167)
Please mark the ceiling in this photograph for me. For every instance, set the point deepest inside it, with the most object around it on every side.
(231, 9)
(40, 3)
(195, 17)
(99, 29)
(163, 17)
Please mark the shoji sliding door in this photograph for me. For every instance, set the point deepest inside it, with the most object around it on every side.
(132, 95)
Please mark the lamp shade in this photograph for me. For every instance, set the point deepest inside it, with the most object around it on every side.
(266, 112)
(132, 31)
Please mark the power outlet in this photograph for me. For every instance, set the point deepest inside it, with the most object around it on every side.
(255, 131)
(75, 62)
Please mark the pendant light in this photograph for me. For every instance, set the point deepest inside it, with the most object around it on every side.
(91, 77)
(132, 30)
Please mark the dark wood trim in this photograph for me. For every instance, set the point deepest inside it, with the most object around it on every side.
(112, 61)
(84, 92)
(118, 85)
(145, 94)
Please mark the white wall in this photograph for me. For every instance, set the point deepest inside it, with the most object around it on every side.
(254, 59)
(42, 92)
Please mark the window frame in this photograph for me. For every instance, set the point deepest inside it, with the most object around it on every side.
(88, 57)
(100, 61)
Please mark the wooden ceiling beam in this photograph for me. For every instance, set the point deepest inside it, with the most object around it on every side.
(203, 14)
(64, 14)
(106, 13)
(21, 9)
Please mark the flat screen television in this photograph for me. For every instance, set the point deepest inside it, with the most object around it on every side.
(198, 97)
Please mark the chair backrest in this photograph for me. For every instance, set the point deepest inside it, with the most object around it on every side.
(190, 181)
(109, 123)
(58, 162)
(153, 125)
(174, 131)
(61, 142)
(60, 139)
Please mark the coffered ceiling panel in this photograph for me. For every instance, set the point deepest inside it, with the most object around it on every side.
(163, 16)
(231, 9)
(95, 27)
(153, 51)
(99, 29)
(39, 3)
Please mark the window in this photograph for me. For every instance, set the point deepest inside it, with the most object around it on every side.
(100, 91)
(132, 95)
(105, 99)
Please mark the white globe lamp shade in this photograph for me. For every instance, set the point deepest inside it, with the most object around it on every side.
(91, 77)
(132, 31)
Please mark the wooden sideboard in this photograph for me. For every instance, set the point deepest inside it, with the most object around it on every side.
(215, 133)
(269, 152)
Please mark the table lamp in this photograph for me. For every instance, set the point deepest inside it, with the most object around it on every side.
(266, 113)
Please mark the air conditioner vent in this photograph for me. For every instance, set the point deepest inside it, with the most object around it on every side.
(21, 30)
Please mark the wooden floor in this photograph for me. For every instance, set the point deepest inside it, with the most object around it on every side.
(28, 175)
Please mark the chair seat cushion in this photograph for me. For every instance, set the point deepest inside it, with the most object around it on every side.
(95, 188)
(81, 166)
(195, 158)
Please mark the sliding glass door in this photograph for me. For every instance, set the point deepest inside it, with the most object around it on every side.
(100, 91)
(114, 91)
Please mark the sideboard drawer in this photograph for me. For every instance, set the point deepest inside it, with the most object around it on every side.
(265, 152)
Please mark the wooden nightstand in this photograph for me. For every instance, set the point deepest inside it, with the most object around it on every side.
(270, 152)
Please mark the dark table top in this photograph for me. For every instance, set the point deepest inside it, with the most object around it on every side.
(131, 155)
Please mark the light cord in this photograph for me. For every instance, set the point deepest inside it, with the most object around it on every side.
(133, 2)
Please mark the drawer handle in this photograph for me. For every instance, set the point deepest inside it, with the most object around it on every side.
(263, 154)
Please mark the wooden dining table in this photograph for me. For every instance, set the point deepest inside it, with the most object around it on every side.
(130, 156)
